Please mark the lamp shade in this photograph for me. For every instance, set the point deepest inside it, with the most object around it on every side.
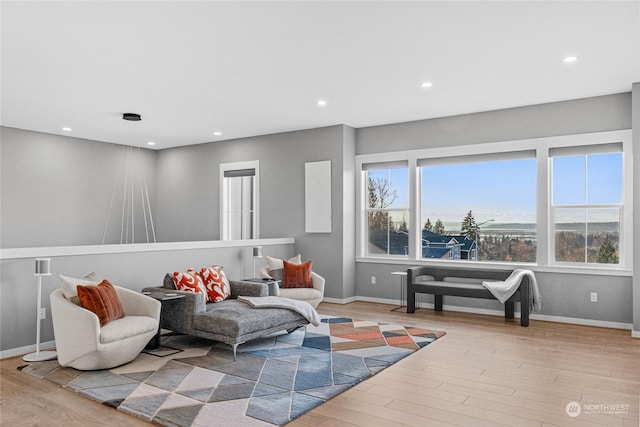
(257, 251)
(43, 267)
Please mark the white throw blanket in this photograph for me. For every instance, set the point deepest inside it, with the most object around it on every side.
(305, 309)
(505, 289)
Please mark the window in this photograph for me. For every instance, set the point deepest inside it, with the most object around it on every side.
(560, 201)
(479, 208)
(587, 199)
(239, 200)
(387, 209)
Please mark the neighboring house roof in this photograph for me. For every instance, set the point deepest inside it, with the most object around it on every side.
(465, 243)
(436, 252)
(433, 245)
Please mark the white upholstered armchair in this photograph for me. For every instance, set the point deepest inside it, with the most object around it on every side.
(311, 295)
(83, 344)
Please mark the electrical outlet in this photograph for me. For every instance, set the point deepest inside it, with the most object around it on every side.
(594, 297)
(43, 313)
(373, 280)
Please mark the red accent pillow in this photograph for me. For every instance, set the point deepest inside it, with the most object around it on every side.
(297, 275)
(216, 283)
(189, 281)
(102, 300)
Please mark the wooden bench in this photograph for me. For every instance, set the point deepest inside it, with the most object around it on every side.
(463, 282)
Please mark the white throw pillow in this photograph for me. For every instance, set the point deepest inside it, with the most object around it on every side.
(277, 264)
(69, 285)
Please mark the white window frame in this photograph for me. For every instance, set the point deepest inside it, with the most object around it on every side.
(362, 220)
(626, 219)
(544, 221)
(225, 167)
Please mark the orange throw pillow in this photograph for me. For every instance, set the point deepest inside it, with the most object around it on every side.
(297, 275)
(102, 300)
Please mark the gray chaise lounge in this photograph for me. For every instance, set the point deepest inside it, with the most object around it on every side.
(230, 321)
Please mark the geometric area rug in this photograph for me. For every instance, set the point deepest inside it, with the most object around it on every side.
(273, 380)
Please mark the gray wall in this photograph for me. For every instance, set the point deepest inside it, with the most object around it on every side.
(636, 208)
(599, 114)
(56, 190)
(134, 270)
(564, 295)
(188, 202)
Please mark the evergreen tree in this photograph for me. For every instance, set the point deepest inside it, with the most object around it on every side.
(402, 225)
(470, 227)
(428, 226)
(439, 227)
(607, 252)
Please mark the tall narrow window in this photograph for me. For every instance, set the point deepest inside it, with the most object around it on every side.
(387, 209)
(587, 203)
(479, 208)
(239, 201)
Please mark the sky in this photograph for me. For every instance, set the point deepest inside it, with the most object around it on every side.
(505, 191)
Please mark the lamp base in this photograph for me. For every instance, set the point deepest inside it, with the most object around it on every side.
(40, 357)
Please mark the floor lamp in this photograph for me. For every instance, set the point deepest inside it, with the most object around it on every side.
(43, 268)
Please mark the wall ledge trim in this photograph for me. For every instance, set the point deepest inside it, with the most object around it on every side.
(52, 251)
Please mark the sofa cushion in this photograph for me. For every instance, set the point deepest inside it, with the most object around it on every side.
(304, 294)
(233, 318)
(102, 300)
(216, 283)
(277, 263)
(277, 275)
(69, 284)
(167, 282)
(126, 327)
(463, 280)
(297, 275)
(189, 281)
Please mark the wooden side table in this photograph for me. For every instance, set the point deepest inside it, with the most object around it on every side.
(403, 275)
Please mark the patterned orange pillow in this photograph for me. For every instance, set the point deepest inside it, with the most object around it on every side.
(216, 283)
(102, 300)
(297, 275)
(189, 281)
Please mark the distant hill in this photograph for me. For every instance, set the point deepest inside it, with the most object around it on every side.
(454, 227)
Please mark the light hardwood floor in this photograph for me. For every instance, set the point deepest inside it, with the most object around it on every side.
(486, 371)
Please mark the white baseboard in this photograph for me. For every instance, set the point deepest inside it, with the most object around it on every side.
(339, 300)
(12, 352)
(489, 312)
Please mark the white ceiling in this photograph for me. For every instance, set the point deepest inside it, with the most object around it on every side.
(253, 68)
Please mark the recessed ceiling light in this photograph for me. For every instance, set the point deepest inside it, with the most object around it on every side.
(66, 129)
(569, 59)
(426, 84)
(217, 133)
(321, 103)
(151, 143)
